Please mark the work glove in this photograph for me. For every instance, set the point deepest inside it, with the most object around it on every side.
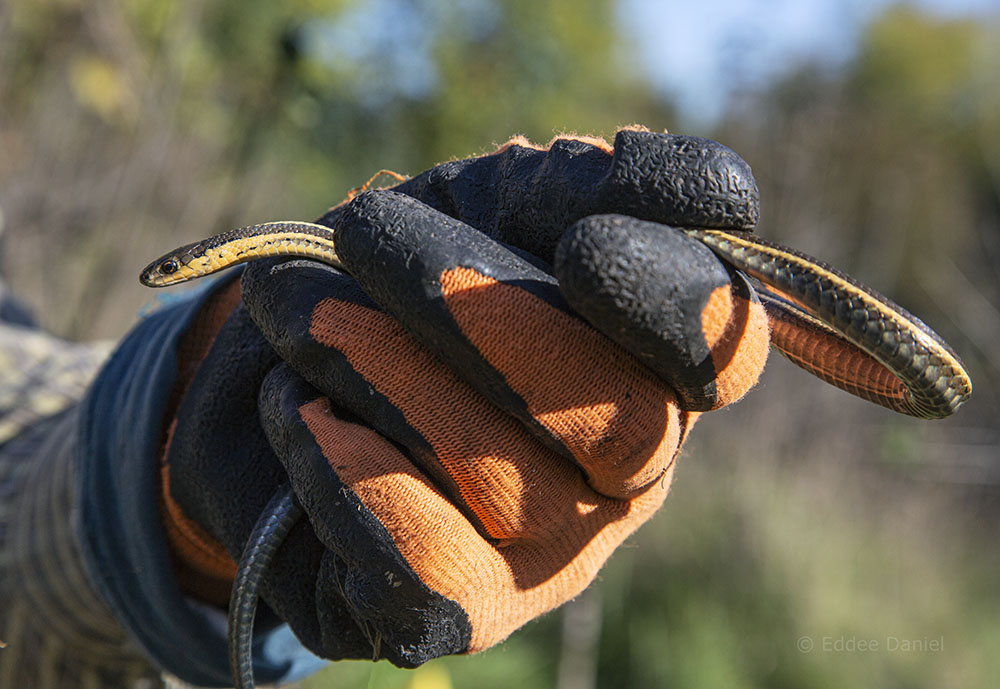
(474, 415)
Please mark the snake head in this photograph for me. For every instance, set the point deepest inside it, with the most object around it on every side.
(282, 238)
(178, 266)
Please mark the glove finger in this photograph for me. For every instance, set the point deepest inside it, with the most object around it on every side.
(668, 300)
(502, 328)
(526, 196)
(663, 296)
(418, 575)
(362, 569)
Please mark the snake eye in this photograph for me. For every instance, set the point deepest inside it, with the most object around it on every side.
(169, 266)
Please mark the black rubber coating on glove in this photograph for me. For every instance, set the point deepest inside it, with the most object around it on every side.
(527, 197)
(645, 286)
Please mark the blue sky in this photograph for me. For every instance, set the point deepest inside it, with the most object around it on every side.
(698, 53)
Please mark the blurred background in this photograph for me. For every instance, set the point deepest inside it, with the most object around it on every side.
(811, 539)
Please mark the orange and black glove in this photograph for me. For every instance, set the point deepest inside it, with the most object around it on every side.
(470, 436)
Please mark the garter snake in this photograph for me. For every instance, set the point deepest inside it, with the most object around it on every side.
(822, 319)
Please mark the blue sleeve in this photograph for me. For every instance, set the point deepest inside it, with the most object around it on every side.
(119, 523)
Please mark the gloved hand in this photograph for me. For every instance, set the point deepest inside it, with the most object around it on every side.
(471, 439)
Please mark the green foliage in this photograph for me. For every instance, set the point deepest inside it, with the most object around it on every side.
(925, 67)
(940, 78)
